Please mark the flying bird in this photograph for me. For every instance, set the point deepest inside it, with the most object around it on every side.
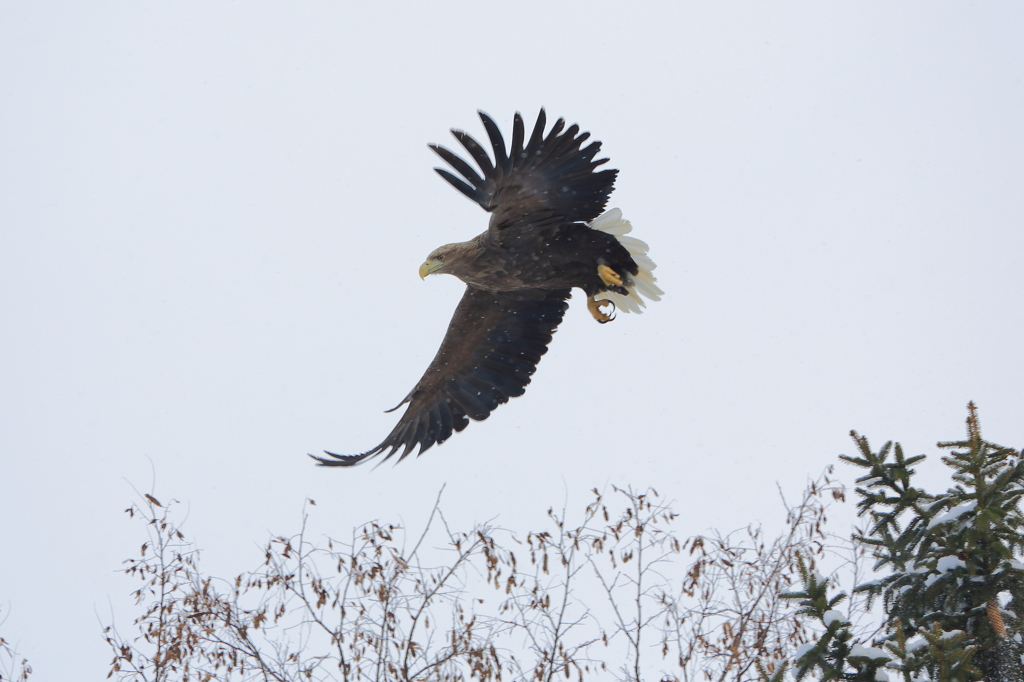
(547, 234)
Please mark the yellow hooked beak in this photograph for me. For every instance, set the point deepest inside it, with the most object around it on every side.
(431, 266)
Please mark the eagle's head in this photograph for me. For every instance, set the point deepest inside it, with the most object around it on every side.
(446, 259)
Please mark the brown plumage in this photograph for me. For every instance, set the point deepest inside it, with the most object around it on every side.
(542, 240)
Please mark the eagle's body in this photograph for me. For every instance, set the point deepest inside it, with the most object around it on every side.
(561, 257)
(546, 236)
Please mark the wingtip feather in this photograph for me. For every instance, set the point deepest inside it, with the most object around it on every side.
(341, 460)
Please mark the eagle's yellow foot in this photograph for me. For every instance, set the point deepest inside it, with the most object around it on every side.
(608, 276)
(594, 306)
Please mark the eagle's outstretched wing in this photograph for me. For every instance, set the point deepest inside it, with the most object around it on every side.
(551, 180)
(491, 349)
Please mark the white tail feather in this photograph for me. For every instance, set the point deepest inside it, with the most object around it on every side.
(644, 281)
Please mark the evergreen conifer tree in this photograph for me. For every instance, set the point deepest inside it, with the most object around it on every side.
(953, 586)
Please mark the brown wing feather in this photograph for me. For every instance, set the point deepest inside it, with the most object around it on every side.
(488, 354)
(552, 180)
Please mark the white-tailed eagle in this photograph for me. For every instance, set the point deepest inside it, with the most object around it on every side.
(547, 234)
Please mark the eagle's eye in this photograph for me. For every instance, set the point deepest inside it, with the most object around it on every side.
(440, 258)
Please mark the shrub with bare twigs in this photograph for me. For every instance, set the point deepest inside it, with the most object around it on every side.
(614, 592)
(12, 666)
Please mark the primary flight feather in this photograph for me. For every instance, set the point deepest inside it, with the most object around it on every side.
(547, 234)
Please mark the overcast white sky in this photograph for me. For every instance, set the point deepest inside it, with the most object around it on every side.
(212, 214)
